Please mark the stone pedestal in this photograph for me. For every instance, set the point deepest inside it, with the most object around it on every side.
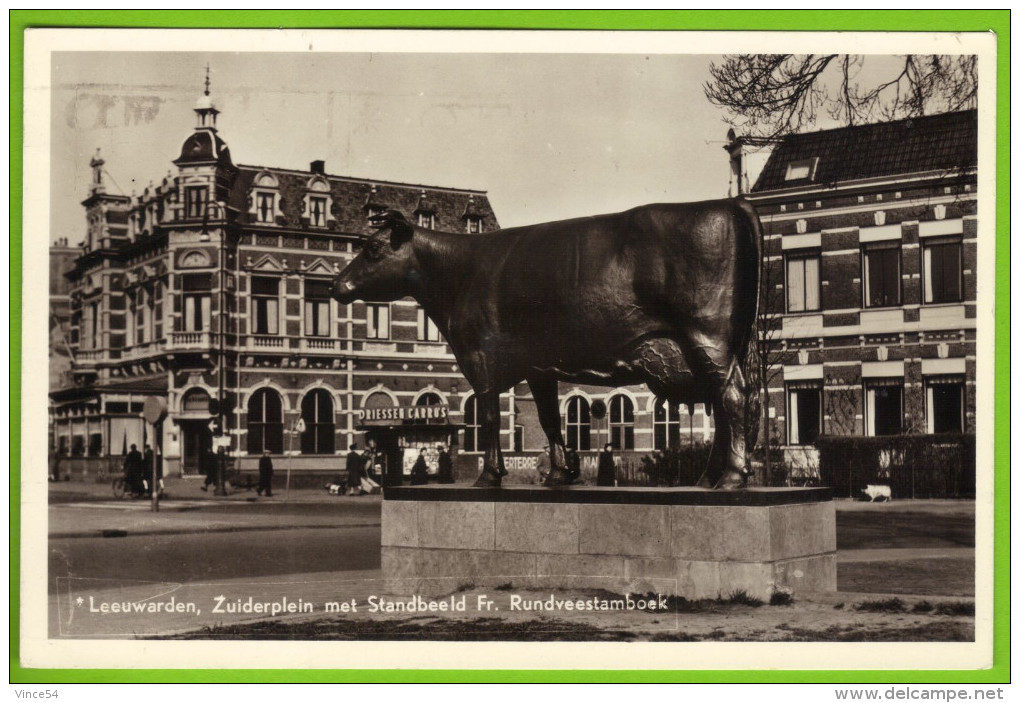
(699, 543)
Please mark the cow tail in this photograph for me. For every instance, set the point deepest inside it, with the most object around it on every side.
(750, 360)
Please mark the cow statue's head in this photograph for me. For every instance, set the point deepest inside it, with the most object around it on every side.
(383, 270)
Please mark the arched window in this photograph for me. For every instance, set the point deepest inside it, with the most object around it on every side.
(195, 401)
(317, 412)
(666, 424)
(265, 422)
(621, 422)
(471, 425)
(426, 400)
(578, 424)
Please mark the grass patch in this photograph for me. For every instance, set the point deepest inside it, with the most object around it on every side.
(929, 632)
(480, 630)
(956, 608)
(781, 597)
(742, 597)
(889, 605)
(922, 607)
(508, 586)
(919, 577)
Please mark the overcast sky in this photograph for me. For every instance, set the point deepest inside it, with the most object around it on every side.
(549, 136)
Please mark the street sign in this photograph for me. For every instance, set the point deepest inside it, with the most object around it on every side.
(154, 409)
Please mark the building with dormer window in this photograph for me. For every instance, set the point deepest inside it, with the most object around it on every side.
(214, 285)
(870, 277)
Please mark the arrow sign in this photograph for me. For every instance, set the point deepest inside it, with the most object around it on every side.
(214, 426)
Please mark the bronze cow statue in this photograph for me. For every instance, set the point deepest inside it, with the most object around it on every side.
(665, 295)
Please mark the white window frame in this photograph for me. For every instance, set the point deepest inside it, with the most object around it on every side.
(255, 298)
(802, 288)
(377, 321)
(427, 329)
(926, 269)
(793, 413)
(929, 400)
(307, 306)
(869, 402)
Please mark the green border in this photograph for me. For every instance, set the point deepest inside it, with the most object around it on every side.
(997, 21)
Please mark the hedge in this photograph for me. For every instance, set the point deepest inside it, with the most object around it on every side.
(913, 466)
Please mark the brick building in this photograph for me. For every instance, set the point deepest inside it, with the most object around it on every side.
(870, 278)
(214, 283)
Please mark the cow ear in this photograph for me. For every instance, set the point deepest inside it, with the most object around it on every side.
(400, 229)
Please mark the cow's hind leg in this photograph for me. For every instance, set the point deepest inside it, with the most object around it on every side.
(714, 366)
(544, 391)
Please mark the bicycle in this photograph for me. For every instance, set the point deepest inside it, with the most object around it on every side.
(120, 487)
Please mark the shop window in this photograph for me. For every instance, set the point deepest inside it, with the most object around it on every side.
(320, 431)
(265, 296)
(944, 403)
(884, 406)
(265, 422)
(803, 283)
(943, 272)
(579, 423)
(95, 444)
(882, 276)
(621, 422)
(377, 317)
(804, 412)
(317, 308)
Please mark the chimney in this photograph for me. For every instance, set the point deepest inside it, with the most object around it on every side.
(319, 167)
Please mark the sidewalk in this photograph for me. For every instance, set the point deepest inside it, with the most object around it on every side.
(189, 489)
(89, 510)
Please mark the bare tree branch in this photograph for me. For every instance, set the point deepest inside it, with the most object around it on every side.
(771, 95)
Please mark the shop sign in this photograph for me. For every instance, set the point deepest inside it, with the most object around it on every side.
(417, 412)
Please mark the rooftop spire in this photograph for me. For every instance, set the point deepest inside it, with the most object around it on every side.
(204, 107)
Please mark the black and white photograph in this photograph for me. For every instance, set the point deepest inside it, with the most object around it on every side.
(401, 348)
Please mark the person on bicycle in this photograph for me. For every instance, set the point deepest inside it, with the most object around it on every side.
(133, 467)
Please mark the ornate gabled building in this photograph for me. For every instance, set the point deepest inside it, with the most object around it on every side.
(210, 290)
(870, 278)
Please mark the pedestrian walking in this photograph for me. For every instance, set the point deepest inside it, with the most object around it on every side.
(445, 465)
(420, 470)
(209, 466)
(354, 467)
(147, 459)
(607, 469)
(544, 465)
(266, 475)
(133, 471)
(573, 465)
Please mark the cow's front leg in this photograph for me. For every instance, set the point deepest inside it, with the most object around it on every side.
(493, 470)
(545, 393)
